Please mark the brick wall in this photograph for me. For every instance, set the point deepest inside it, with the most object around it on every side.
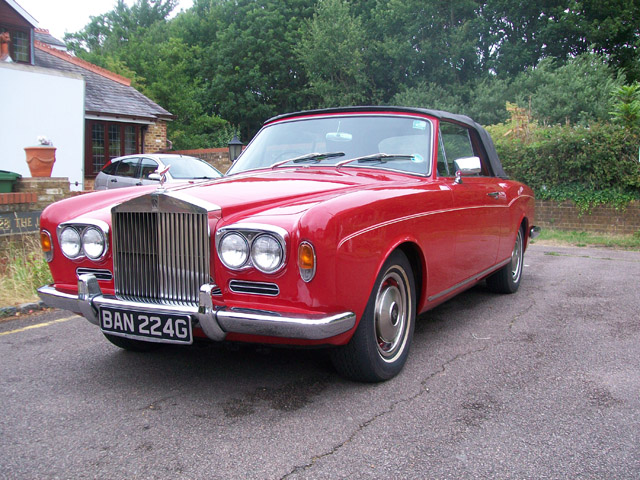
(155, 138)
(42, 190)
(601, 219)
(217, 157)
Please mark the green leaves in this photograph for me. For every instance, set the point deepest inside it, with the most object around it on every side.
(588, 165)
(626, 109)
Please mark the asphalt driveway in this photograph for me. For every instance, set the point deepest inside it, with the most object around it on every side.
(541, 384)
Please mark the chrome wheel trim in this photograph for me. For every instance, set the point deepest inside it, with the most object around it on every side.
(516, 258)
(391, 314)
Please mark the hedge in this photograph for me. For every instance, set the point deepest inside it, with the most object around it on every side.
(589, 165)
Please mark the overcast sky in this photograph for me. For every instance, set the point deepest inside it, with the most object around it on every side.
(68, 16)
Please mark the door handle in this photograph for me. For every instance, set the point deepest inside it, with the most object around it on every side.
(114, 180)
(494, 194)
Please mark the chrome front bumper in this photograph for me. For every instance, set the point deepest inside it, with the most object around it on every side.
(216, 322)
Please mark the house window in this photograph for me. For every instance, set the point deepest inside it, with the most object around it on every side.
(20, 49)
(130, 140)
(108, 140)
(115, 145)
(97, 147)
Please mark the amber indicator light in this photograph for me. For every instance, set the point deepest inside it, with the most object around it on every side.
(306, 257)
(45, 241)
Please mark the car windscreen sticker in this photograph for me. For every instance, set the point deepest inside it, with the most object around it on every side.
(419, 125)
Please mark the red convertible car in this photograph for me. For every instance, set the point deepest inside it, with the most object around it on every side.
(334, 228)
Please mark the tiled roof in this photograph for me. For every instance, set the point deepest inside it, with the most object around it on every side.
(44, 36)
(106, 93)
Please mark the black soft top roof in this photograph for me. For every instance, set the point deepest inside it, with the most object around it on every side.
(485, 138)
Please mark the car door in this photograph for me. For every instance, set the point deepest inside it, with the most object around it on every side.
(147, 167)
(125, 174)
(480, 202)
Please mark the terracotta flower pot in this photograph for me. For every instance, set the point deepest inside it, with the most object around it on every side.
(40, 160)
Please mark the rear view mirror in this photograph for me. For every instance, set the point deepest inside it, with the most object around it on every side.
(338, 137)
(467, 167)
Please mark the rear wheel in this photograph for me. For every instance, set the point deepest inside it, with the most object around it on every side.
(130, 344)
(507, 279)
(379, 348)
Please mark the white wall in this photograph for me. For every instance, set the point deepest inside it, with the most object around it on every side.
(35, 102)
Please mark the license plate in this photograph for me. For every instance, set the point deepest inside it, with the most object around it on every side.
(151, 327)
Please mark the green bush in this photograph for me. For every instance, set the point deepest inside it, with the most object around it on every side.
(589, 165)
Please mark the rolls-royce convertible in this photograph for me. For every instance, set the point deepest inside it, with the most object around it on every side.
(334, 228)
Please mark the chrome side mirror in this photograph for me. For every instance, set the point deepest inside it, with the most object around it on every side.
(466, 167)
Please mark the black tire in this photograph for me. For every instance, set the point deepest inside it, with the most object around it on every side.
(130, 344)
(380, 345)
(508, 278)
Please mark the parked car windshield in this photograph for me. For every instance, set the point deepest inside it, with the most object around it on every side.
(406, 141)
(190, 167)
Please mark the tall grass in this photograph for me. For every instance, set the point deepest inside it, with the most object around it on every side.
(23, 269)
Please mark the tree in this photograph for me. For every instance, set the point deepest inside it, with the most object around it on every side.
(250, 71)
(332, 52)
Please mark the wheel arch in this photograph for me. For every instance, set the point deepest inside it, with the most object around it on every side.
(419, 268)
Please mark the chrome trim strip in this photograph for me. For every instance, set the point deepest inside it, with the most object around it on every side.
(100, 273)
(286, 325)
(474, 278)
(216, 322)
(254, 288)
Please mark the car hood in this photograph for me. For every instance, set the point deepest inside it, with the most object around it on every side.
(291, 189)
(284, 190)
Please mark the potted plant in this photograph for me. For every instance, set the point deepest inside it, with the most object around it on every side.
(41, 157)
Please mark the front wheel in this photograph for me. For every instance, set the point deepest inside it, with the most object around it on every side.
(507, 279)
(379, 348)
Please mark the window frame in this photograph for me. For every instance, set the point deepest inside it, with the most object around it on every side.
(90, 166)
(13, 29)
(476, 147)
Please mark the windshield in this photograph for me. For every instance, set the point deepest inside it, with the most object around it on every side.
(190, 167)
(341, 138)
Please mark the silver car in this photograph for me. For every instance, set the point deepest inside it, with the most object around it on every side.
(132, 170)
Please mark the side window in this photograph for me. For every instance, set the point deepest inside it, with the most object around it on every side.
(146, 167)
(457, 141)
(127, 167)
(110, 169)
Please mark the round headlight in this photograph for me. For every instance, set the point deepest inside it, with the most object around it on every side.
(266, 253)
(233, 250)
(93, 243)
(70, 242)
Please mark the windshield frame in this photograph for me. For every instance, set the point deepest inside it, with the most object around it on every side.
(388, 166)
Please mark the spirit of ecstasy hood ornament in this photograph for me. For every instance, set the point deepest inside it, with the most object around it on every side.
(162, 176)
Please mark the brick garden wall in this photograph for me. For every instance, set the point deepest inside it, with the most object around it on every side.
(34, 194)
(601, 219)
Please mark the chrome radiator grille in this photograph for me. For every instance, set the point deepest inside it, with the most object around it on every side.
(160, 257)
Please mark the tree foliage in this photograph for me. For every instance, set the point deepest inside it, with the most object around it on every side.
(226, 63)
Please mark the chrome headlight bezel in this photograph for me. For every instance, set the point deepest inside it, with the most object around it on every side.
(80, 227)
(70, 242)
(250, 232)
(241, 248)
(274, 248)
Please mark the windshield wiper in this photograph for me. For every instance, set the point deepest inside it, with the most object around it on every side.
(376, 158)
(203, 178)
(309, 158)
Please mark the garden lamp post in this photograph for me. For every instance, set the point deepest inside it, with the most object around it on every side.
(235, 148)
